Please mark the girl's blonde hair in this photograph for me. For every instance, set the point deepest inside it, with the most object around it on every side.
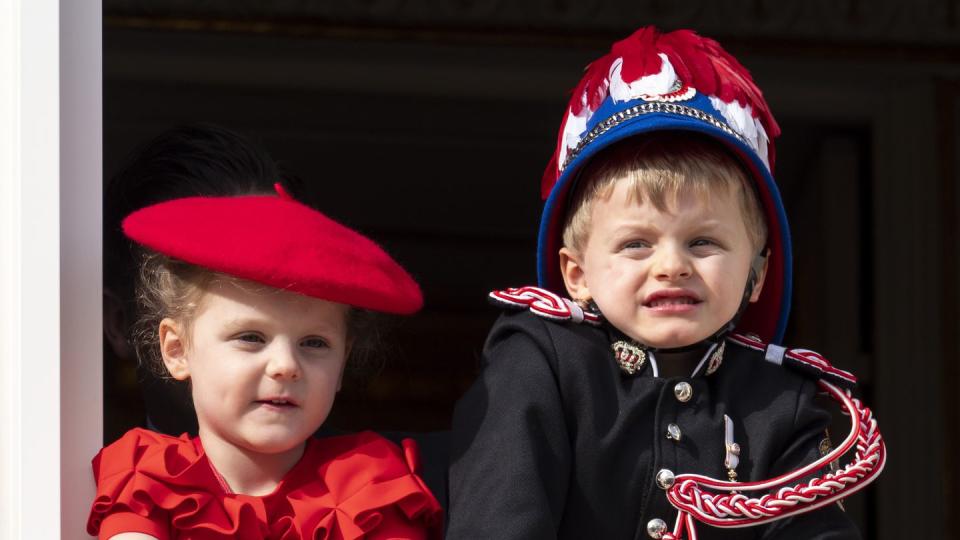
(166, 288)
(658, 167)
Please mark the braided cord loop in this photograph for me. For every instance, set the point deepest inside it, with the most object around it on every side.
(723, 504)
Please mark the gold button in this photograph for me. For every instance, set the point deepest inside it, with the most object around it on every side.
(683, 391)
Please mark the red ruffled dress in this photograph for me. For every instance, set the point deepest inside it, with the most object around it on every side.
(343, 488)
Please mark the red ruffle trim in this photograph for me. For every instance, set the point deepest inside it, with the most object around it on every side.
(347, 487)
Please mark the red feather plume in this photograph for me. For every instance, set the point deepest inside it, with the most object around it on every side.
(698, 61)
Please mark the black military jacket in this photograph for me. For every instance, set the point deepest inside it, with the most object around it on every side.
(553, 440)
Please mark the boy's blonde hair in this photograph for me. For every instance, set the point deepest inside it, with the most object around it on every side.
(658, 167)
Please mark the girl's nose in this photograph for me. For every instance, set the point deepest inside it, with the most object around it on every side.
(282, 362)
(671, 262)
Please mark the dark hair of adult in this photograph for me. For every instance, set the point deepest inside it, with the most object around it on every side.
(190, 160)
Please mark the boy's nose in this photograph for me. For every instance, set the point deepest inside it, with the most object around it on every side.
(282, 362)
(671, 262)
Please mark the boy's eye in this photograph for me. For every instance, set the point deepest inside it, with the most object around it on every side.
(701, 242)
(315, 343)
(636, 244)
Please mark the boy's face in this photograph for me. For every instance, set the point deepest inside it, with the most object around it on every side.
(264, 365)
(664, 278)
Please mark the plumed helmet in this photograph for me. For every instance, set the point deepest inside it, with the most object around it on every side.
(676, 81)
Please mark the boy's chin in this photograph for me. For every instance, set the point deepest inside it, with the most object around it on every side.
(669, 340)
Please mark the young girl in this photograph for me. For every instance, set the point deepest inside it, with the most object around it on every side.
(191, 160)
(257, 302)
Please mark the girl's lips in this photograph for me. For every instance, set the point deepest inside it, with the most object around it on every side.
(277, 403)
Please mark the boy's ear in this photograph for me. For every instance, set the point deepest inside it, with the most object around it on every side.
(173, 349)
(761, 269)
(574, 278)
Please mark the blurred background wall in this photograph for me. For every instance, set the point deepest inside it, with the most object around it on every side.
(427, 124)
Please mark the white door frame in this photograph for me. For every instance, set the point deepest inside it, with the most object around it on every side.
(50, 264)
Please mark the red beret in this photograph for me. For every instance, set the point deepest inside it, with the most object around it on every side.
(277, 241)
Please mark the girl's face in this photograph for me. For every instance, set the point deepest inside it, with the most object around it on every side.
(264, 364)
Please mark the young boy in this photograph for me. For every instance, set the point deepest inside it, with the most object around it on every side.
(610, 414)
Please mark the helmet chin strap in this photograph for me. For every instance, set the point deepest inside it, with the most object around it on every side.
(756, 266)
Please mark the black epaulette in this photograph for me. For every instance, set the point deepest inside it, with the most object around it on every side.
(802, 360)
(544, 303)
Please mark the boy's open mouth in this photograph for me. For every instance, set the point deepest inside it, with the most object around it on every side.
(671, 299)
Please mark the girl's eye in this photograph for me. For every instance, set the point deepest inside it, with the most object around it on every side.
(250, 337)
(315, 343)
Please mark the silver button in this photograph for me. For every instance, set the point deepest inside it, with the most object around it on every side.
(673, 432)
(665, 479)
(656, 528)
(683, 391)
